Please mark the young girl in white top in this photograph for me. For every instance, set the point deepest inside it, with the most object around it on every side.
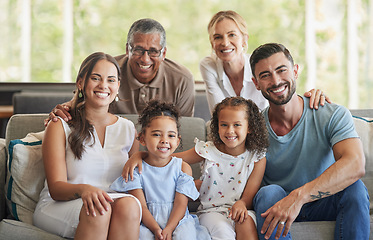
(232, 170)
(83, 157)
(165, 184)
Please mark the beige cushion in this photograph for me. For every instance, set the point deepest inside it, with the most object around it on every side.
(364, 127)
(25, 176)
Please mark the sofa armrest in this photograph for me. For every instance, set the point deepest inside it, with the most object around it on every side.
(2, 177)
(19, 125)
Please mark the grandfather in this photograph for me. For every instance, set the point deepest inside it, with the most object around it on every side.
(146, 74)
(315, 159)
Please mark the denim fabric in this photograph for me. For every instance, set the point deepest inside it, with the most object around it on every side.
(349, 208)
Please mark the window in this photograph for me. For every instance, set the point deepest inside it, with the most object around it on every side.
(45, 41)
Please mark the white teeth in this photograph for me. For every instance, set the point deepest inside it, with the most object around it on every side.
(228, 50)
(231, 138)
(279, 90)
(102, 94)
(144, 67)
(163, 149)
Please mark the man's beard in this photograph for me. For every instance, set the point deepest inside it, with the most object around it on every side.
(283, 99)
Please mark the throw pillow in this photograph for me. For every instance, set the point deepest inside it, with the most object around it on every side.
(25, 176)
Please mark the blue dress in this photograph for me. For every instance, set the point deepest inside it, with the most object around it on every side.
(160, 185)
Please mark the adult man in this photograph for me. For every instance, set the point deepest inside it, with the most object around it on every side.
(147, 74)
(315, 158)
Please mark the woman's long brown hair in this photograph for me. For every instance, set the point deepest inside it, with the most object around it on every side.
(81, 129)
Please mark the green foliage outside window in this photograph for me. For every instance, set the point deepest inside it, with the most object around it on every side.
(103, 26)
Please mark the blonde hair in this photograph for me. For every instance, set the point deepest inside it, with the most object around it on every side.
(232, 15)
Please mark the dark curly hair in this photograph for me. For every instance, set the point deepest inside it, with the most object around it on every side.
(157, 108)
(257, 140)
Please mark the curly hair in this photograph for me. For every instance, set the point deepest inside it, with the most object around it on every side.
(157, 108)
(257, 139)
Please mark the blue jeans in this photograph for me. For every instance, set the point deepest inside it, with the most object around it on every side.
(349, 208)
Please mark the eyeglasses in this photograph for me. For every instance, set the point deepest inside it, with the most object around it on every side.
(140, 51)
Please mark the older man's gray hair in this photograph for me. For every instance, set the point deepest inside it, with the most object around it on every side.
(147, 26)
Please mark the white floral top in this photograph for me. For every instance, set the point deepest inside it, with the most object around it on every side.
(224, 176)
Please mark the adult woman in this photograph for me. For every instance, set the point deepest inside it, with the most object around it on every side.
(83, 157)
(227, 71)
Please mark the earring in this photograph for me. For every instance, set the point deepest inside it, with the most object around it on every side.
(80, 94)
(117, 98)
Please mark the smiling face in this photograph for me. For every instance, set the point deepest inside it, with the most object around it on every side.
(275, 77)
(102, 85)
(233, 129)
(144, 68)
(161, 138)
(227, 40)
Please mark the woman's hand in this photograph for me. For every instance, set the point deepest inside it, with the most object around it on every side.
(61, 110)
(317, 98)
(95, 199)
(134, 161)
(238, 212)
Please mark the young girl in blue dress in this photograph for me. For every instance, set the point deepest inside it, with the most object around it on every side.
(165, 184)
(233, 164)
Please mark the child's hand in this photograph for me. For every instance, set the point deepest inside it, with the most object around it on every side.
(167, 233)
(198, 183)
(158, 234)
(238, 212)
(134, 161)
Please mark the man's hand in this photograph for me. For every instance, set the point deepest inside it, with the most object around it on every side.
(61, 110)
(282, 215)
(317, 98)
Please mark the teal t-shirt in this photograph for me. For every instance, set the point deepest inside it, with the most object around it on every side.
(306, 151)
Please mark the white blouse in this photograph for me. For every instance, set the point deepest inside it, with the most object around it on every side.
(219, 87)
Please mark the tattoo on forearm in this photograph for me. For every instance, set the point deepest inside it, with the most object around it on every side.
(321, 195)
(76, 196)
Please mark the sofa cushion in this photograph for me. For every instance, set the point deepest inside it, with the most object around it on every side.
(364, 128)
(25, 176)
(16, 230)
